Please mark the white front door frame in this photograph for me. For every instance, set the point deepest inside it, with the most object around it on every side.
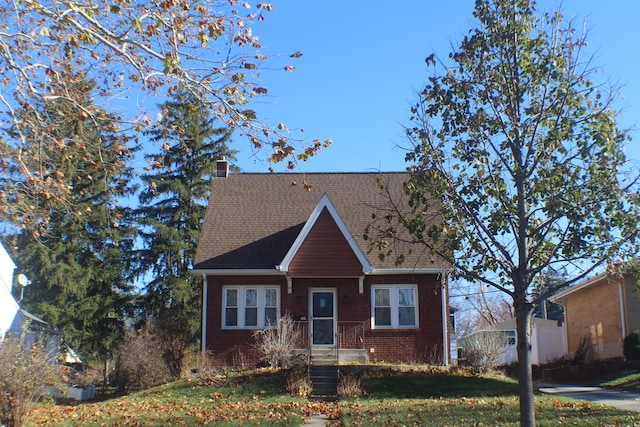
(323, 317)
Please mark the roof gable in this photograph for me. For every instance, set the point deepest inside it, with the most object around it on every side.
(325, 205)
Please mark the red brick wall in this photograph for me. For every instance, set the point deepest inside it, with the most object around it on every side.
(233, 347)
(423, 344)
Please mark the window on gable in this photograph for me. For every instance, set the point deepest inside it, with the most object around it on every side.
(394, 306)
(250, 307)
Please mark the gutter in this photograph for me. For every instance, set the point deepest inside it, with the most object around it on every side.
(622, 310)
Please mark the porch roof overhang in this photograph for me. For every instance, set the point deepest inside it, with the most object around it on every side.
(278, 272)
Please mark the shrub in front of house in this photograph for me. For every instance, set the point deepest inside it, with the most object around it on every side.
(276, 344)
(140, 363)
(631, 345)
(26, 370)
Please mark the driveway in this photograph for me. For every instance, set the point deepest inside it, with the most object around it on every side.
(620, 399)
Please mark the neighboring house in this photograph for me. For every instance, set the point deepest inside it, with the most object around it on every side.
(547, 341)
(453, 337)
(599, 313)
(8, 305)
(272, 246)
(15, 321)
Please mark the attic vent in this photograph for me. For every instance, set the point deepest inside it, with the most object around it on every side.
(222, 168)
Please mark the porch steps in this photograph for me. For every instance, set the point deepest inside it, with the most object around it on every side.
(323, 373)
(324, 356)
(324, 382)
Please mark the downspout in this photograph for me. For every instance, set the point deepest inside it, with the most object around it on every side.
(622, 310)
(205, 293)
(445, 319)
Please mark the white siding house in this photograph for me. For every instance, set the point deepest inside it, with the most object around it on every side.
(547, 341)
(8, 305)
(12, 318)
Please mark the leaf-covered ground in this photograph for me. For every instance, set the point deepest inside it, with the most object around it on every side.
(256, 398)
(389, 399)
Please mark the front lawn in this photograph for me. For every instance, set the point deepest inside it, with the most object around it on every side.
(241, 399)
(391, 399)
(417, 399)
(484, 411)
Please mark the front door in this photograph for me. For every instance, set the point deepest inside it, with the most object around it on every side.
(323, 317)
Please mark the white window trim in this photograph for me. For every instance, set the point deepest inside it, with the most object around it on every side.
(241, 305)
(394, 306)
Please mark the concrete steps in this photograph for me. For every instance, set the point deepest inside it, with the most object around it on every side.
(324, 381)
(323, 373)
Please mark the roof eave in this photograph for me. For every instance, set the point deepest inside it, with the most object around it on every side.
(237, 272)
(389, 271)
(560, 296)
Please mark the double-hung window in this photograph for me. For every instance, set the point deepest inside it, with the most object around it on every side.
(250, 307)
(394, 306)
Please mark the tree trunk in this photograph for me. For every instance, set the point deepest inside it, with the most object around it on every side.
(105, 372)
(525, 377)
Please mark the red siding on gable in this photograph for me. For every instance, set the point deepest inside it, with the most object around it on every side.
(325, 252)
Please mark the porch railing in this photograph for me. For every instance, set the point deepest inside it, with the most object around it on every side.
(350, 335)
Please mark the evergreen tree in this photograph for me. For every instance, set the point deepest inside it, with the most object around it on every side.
(549, 280)
(77, 267)
(172, 208)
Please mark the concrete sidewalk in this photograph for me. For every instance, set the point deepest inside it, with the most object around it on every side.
(317, 421)
(620, 399)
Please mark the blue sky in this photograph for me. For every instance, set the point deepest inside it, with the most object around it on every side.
(363, 61)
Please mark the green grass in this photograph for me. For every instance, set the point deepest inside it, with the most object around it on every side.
(391, 399)
(450, 400)
(429, 386)
(484, 411)
(625, 381)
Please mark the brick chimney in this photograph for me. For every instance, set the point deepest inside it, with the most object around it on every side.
(222, 168)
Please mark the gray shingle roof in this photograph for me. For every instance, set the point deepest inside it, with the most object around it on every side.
(253, 218)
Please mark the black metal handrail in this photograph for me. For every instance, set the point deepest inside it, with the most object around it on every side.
(349, 334)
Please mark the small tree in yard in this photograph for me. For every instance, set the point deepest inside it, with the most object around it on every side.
(277, 344)
(26, 369)
(517, 155)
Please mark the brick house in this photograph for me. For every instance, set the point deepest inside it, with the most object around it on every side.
(602, 310)
(276, 244)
